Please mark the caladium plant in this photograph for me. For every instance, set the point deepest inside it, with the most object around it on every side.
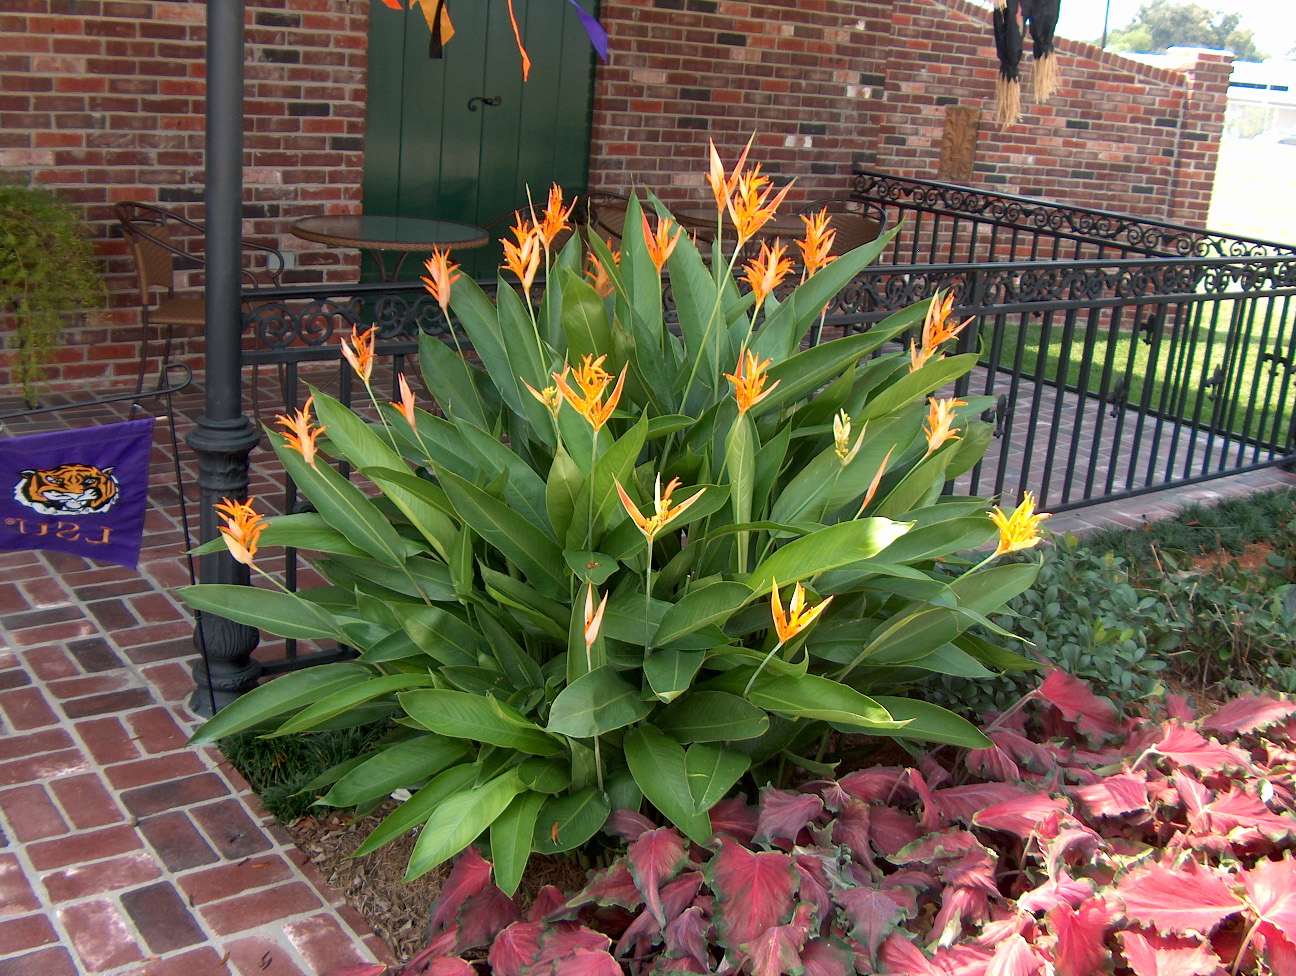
(1148, 846)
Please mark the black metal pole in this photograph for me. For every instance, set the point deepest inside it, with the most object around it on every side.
(1106, 20)
(222, 437)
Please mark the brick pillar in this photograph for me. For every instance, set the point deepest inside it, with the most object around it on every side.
(1202, 123)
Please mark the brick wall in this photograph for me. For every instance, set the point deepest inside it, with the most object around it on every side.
(103, 100)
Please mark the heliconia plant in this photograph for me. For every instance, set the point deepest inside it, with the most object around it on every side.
(630, 557)
(1077, 844)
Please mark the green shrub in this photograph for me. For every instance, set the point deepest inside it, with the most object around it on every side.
(548, 651)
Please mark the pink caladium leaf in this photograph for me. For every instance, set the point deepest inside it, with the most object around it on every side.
(1178, 707)
(639, 937)
(613, 886)
(1115, 796)
(992, 763)
(1023, 751)
(484, 916)
(587, 962)
(1271, 886)
(548, 900)
(470, 874)
(681, 892)
(628, 824)
(734, 817)
(1248, 714)
(962, 960)
(1093, 716)
(851, 828)
(949, 844)
(1000, 928)
(1077, 843)
(449, 966)
(1237, 813)
(1081, 934)
(686, 935)
(1051, 894)
(777, 950)
(884, 784)
(813, 884)
(654, 858)
(1021, 815)
(962, 802)
(784, 815)
(753, 891)
(1280, 950)
(959, 904)
(975, 869)
(364, 969)
(1015, 957)
(827, 957)
(1187, 747)
(514, 948)
(1178, 900)
(900, 956)
(873, 916)
(1156, 955)
(930, 819)
(834, 796)
(562, 940)
(891, 830)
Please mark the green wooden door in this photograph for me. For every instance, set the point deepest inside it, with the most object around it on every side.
(433, 148)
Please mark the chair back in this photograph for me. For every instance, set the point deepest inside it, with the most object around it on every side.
(602, 213)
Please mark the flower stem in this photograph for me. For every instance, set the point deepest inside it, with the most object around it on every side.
(756, 674)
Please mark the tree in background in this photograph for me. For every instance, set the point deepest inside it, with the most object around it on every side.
(1163, 24)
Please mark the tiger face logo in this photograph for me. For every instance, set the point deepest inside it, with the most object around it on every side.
(69, 489)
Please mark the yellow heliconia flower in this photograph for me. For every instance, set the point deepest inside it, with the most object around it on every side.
(917, 357)
(1019, 530)
(817, 243)
(523, 256)
(442, 273)
(299, 433)
(660, 242)
(722, 185)
(749, 381)
(406, 404)
(359, 352)
(663, 511)
(798, 617)
(242, 528)
(549, 396)
(766, 271)
(592, 379)
(555, 219)
(841, 438)
(593, 617)
(750, 205)
(939, 423)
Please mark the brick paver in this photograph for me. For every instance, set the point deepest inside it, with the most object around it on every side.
(125, 852)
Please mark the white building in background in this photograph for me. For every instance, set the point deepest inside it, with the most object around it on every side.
(1262, 100)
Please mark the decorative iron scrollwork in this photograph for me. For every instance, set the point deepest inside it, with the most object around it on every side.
(1279, 363)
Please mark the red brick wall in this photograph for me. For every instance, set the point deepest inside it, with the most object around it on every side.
(103, 100)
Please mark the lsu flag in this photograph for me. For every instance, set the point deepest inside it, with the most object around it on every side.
(78, 491)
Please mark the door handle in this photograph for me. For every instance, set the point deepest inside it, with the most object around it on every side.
(483, 100)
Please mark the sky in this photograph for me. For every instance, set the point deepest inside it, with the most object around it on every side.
(1274, 21)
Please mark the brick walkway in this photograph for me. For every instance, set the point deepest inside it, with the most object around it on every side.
(124, 851)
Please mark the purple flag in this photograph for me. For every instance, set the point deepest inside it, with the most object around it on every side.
(79, 491)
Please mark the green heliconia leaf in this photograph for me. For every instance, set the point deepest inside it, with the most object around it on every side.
(452, 381)
(712, 716)
(562, 490)
(660, 769)
(584, 319)
(988, 589)
(970, 448)
(359, 443)
(466, 716)
(396, 646)
(517, 665)
(541, 611)
(670, 672)
(740, 466)
(808, 371)
(669, 423)
(917, 488)
(948, 659)
(419, 807)
(523, 488)
(590, 567)
(274, 698)
(931, 723)
(939, 539)
(712, 772)
(276, 612)
(917, 384)
(906, 637)
(701, 321)
(394, 767)
(342, 504)
(307, 530)
(510, 839)
(420, 501)
(458, 820)
(712, 604)
(572, 819)
(344, 700)
(829, 548)
(545, 775)
(595, 703)
(418, 577)
(526, 545)
(817, 697)
(442, 635)
(616, 464)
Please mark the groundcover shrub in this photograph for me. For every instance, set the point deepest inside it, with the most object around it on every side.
(627, 561)
(1077, 843)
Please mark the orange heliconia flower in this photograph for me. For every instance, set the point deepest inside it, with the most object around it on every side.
(523, 257)
(555, 217)
(663, 511)
(1020, 530)
(877, 480)
(936, 331)
(406, 404)
(242, 528)
(749, 381)
(299, 431)
(722, 185)
(517, 36)
(592, 379)
(443, 273)
(766, 271)
(938, 425)
(817, 243)
(593, 617)
(750, 205)
(360, 351)
(598, 277)
(662, 242)
(798, 617)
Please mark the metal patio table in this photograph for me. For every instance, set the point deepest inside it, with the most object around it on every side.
(376, 234)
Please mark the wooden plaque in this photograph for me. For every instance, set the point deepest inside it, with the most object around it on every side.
(958, 143)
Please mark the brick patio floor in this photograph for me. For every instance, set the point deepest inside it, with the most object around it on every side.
(124, 851)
